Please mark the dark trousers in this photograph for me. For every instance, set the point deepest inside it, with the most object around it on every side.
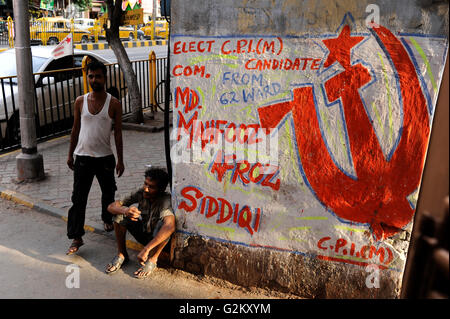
(85, 168)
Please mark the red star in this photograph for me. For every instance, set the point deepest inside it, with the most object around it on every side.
(340, 48)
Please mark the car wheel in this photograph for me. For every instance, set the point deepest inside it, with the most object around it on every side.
(84, 39)
(130, 37)
(52, 41)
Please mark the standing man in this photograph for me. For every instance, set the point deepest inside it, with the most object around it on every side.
(94, 113)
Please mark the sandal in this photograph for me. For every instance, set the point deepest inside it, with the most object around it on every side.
(117, 263)
(148, 268)
(76, 244)
(108, 227)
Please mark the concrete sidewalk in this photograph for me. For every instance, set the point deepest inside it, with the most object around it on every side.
(143, 145)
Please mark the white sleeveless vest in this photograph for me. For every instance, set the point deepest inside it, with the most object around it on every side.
(95, 132)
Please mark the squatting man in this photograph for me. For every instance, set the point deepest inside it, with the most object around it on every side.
(151, 223)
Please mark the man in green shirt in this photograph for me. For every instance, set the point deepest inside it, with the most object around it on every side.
(151, 223)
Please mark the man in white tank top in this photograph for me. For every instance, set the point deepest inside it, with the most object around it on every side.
(94, 113)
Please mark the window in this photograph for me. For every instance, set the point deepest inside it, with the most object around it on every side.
(62, 63)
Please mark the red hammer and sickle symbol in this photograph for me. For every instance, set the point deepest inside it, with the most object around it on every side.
(379, 194)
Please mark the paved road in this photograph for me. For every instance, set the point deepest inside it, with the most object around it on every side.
(135, 53)
(33, 265)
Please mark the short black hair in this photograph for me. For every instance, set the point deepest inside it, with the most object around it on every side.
(96, 65)
(160, 176)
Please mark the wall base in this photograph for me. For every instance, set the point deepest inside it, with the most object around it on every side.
(306, 277)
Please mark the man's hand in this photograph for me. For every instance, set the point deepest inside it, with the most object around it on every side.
(133, 213)
(119, 169)
(70, 162)
(143, 256)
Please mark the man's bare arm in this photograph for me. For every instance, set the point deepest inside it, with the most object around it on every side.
(116, 208)
(166, 230)
(75, 130)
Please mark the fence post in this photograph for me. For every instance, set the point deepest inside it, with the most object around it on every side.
(43, 31)
(96, 30)
(11, 32)
(152, 78)
(84, 64)
(152, 31)
(166, 28)
(72, 29)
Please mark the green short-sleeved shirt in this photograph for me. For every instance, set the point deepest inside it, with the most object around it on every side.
(151, 212)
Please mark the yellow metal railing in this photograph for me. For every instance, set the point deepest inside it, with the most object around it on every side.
(11, 32)
(152, 79)
(84, 63)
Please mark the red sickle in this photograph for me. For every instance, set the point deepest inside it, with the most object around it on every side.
(378, 196)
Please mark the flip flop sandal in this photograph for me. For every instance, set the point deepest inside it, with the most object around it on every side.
(148, 268)
(117, 263)
(74, 247)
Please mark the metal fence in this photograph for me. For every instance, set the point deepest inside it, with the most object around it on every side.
(55, 94)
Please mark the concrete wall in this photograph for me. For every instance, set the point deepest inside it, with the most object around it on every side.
(300, 134)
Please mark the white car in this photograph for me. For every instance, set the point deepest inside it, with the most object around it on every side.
(84, 23)
(55, 91)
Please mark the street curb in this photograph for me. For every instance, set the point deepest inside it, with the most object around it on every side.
(127, 44)
(27, 201)
(142, 127)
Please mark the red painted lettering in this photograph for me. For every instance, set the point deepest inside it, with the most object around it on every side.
(211, 211)
(224, 204)
(245, 218)
(242, 135)
(177, 67)
(352, 249)
(268, 46)
(339, 244)
(240, 44)
(192, 199)
(223, 47)
(187, 71)
(176, 47)
(267, 180)
(321, 241)
(220, 167)
(379, 252)
(188, 127)
(258, 217)
(251, 174)
(363, 252)
(306, 62)
(230, 127)
(239, 171)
